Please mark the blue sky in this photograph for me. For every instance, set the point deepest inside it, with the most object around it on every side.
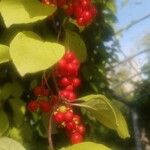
(130, 39)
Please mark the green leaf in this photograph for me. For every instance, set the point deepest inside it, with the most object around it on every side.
(106, 113)
(86, 146)
(24, 11)
(18, 108)
(122, 128)
(4, 54)
(74, 43)
(10, 144)
(101, 108)
(10, 89)
(30, 54)
(4, 123)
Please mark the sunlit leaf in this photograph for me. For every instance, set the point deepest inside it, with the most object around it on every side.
(30, 54)
(24, 11)
(4, 54)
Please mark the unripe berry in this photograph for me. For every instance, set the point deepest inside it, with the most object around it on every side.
(32, 106)
(76, 138)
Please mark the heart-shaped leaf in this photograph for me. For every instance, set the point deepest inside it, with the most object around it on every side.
(4, 54)
(30, 54)
(24, 11)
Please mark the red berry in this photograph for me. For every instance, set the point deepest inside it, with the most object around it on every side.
(44, 106)
(80, 129)
(76, 119)
(80, 21)
(59, 117)
(69, 88)
(87, 16)
(76, 138)
(32, 106)
(68, 116)
(64, 93)
(38, 91)
(72, 96)
(72, 69)
(64, 82)
(76, 82)
(62, 64)
(78, 11)
(70, 126)
(69, 56)
(69, 10)
(85, 3)
(46, 92)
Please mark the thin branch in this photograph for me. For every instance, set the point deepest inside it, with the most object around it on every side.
(51, 147)
(132, 24)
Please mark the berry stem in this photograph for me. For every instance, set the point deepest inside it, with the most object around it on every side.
(51, 147)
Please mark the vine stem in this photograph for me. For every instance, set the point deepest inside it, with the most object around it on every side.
(51, 147)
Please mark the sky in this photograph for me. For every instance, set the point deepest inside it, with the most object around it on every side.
(130, 40)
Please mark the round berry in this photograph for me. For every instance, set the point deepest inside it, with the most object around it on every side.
(76, 138)
(68, 116)
(76, 82)
(69, 88)
(32, 106)
(46, 92)
(44, 106)
(59, 117)
(64, 82)
(70, 126)
(62, 64)
(38, 91)
(80, 129)
(76, 119)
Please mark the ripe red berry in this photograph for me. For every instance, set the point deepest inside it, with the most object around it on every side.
(76, 138)
(80, 129)
(59, 117)
(38, 91)
(69, 88)
(72, 96)
(76, 82)
(32, 106)
(70, 126)
(72, 69)
(62, 64)
(69, 56)
(68, 116)
(44, 106)
(64, 82)
(45, 92)
(76, 119)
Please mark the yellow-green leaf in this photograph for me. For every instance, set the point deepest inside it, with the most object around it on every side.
(4, 123)
(122, 127)
(30, 54)
(10, 144)
(24, 11)
(74, 43)
(4, 54)
(101, 108)
(87, 146)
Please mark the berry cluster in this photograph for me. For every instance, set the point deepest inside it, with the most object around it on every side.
(67, 76)
(40, 104)
(65, 117)
(81, 10)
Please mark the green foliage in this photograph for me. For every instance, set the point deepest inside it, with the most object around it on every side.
(30, 54)
(106, 113)
(4, 125)
(74, 42)
(18, 108)
(24, 11)
(10, 144)
(4, 53)
(87, 145)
